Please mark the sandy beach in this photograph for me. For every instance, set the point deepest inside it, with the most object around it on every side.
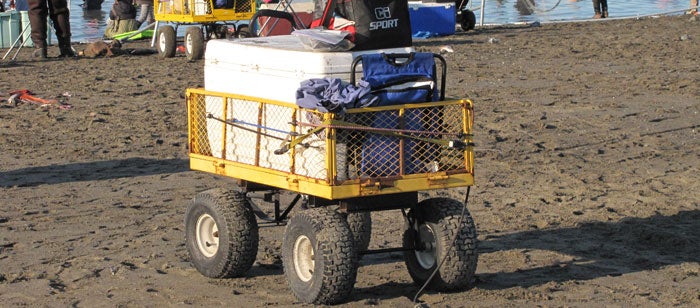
(586, 194)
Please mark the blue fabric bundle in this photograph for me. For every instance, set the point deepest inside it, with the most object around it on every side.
(333, 95)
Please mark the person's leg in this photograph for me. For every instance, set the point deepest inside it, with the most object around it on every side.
(59, 13)
(143, 13)
(151, 18)
(596, 9)
(38, 10)
(604, 8)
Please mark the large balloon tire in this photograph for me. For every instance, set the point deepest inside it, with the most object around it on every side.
(319, 256)
(468, 20)
(361, 227)
(167, 41)
(221, 233)
(243, 31)
(437, 222)
(194, 43)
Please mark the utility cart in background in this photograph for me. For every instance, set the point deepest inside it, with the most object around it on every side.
(465, 17)
(321, 174)
(208, 19)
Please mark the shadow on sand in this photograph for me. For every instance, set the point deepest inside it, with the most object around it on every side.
(596, 249)
(91, 171)
(599, 249)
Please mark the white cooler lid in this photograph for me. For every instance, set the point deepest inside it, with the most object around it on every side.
(283, 53)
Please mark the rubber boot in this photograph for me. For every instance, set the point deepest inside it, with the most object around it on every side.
(41, 52)
(37, 21)
(65, 49)
(61, 24)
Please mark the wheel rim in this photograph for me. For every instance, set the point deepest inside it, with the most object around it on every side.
(161, 41)
(304, 258)
(188, 43)
(207, 235)
(426, 257)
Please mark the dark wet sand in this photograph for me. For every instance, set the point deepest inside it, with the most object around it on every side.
(586, 190)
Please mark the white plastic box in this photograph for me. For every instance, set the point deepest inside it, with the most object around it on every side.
(201, 7)
(259, 131)
(271, 68)
(9, 28)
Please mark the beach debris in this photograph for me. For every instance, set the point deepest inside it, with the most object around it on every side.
(26, 96)
(102, 48)
(425, 34)
(685, 37)
(372, 302)
(535, 24)
(446, 49)
(13, 99)
(141, 51)
(493, 40)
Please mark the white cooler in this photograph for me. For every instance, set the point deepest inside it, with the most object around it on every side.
(271, 68)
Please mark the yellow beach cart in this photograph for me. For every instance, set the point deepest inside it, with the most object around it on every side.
(210, 19)
(334, 169)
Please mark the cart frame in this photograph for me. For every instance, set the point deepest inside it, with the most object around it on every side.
(214, 21)
(327, 188)
(340, 168)
(203, 12)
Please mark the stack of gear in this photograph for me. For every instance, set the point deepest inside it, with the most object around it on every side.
(373, 24)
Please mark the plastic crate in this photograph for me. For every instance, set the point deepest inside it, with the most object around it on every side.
(9, 28)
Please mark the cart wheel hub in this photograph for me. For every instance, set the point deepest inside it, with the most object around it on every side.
(188, 43)
(426, 256)
(304, 258)
(207, 235)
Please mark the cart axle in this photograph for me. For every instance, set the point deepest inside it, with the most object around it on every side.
(384, 250)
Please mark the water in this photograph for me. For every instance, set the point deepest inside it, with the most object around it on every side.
(515, 11)
(89, 26)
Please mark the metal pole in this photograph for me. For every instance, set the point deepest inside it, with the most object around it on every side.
(481, 14)
(17, 43)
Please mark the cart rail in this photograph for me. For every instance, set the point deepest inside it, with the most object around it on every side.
(203, 11)
(366, 151)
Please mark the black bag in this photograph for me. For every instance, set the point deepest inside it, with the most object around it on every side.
(378, 23)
